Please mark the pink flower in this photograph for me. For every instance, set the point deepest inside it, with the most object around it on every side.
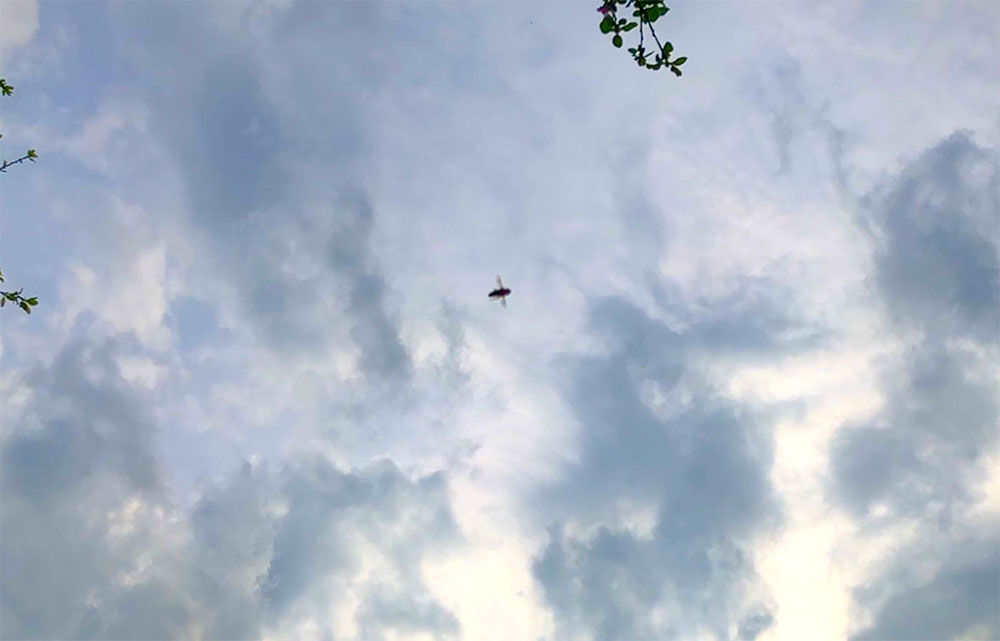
(605, 9)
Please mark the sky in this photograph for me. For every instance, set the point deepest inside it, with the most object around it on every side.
(745, 387)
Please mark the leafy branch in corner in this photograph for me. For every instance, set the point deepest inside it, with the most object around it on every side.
(31, 155)
(15, 297)
(645, 13)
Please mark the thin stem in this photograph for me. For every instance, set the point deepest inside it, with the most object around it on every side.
(641, 23)
(657, 42)
(9, 163)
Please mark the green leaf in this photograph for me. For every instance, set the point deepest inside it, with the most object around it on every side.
(655, 11)
(617, 41)
(630, 26)
(25, 307)
(607, 24)
(668, 47)
(32, 154)
(33, 301)
(677, 72)
(3, 301)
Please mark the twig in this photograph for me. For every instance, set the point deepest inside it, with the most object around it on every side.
(31, 155)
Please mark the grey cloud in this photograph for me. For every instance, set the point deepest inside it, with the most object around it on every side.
(92, 547)
(226, 138)
(195, 324)
(602, 585)
(782, 130)
(935, 229)
(785, 123)
(374, 330)
(117, 435)
(271, 149)
(320, 496)
(704, 467)
(799, 126)
(937, 423)
(936, 224)
(960, 600)
(233, 533)
(388, 609)
(937, 271)
(82, 451)
(453, 370)
(755, 321)
(754, 624)
(274, 547)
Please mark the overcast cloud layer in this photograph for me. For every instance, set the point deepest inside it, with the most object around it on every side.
(745, 388)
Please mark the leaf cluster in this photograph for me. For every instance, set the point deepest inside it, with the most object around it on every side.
(644, 14)
(15, 298)
(31, 154)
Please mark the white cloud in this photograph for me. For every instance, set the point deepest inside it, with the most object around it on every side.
(131, 296)
(18, 23)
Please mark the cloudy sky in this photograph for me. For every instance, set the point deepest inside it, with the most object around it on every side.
(746, 386)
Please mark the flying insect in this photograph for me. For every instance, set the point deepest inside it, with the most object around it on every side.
(500, 292)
